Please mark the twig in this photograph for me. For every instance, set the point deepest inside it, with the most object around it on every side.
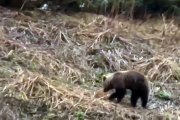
(23, 5)
(115, 112)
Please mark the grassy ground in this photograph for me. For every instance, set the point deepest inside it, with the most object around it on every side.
(51, 66)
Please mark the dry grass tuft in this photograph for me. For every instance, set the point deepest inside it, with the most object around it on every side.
(58, 62)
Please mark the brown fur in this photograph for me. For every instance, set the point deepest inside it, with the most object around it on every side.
(122, 80)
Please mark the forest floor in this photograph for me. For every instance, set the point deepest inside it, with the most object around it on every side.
(51, 65)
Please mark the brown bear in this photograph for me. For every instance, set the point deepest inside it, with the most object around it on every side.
(132, 80)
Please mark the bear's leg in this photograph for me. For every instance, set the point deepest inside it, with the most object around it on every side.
(134, 97)
(120, 93)
(112, 96)
(144, 100)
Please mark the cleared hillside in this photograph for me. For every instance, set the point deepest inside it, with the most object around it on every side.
(58, 61)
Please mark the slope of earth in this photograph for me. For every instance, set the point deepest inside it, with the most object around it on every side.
(51, 66)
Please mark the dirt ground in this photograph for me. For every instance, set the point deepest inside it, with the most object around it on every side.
(51, 65)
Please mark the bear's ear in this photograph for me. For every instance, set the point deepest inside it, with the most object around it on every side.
(104, 78)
